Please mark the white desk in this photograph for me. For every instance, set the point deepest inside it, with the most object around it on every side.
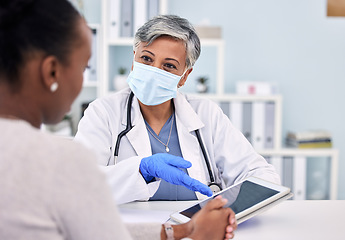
(288, 220)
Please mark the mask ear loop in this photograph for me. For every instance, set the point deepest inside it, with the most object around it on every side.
(178, 85)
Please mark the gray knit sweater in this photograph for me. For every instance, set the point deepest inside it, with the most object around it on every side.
(51, 188)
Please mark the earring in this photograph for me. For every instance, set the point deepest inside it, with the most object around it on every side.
(54, 87)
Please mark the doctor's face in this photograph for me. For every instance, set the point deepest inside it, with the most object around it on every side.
(165, 53)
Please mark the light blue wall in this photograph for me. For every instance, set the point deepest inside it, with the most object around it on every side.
(288, 42)
(92, 11)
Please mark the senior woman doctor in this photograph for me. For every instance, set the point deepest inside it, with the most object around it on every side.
(149, 163)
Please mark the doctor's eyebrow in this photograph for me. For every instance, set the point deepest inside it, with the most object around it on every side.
(173, 59)
(168, 59)
(148, 52)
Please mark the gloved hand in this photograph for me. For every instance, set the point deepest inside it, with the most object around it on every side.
(166, 166)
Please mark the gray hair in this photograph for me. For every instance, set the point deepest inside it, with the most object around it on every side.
(175, 27)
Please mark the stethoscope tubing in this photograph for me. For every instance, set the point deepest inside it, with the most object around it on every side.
(129, 127)
(124, 132)
(207, 161)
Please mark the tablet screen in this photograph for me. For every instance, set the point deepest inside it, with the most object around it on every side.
(240, 197)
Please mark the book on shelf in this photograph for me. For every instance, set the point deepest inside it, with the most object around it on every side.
(126, 26)
(225, 107)
(269, 124)
(140, 14)
(287, 174)
(309, 139)
(277, 162)
(114, 18)
(247, 120)
(127, 16)
(152, 8)
(255, 119)
(236, 114)
(299, 177)
(258, 124)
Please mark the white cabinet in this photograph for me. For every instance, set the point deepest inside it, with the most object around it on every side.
(298, 171)
(117, 50)
(247, 122)
(310, 173)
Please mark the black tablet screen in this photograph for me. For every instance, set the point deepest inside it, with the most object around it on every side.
(240, 197)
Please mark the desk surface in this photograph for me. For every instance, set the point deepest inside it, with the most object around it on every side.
(288, 220)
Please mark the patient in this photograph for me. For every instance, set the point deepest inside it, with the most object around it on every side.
(51, 187)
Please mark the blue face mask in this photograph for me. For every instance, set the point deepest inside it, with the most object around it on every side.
(151, 85)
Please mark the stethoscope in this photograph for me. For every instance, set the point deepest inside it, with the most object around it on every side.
(215, 187)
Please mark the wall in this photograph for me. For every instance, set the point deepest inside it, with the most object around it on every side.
(288, 42)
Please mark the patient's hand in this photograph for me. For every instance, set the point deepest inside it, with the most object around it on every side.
(213, 221)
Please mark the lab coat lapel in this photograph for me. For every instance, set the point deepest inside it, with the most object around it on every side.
(187, 121)
(138, 136)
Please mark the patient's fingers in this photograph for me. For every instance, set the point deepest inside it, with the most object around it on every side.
(216, 203)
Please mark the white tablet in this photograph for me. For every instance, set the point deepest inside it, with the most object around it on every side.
(246, 199)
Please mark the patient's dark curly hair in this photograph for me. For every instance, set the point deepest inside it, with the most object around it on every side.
(27, 26)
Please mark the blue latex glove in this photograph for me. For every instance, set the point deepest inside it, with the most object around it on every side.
(166, 166)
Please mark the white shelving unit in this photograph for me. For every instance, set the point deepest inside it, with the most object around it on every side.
(117, 42)
(299, 174)
(219, 46)
(276, 99)
(330, 153)
(108, 44)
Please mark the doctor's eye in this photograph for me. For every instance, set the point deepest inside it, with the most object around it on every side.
(146, 59)
(169, 67)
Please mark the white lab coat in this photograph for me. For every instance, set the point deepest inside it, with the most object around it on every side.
(231, 155)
